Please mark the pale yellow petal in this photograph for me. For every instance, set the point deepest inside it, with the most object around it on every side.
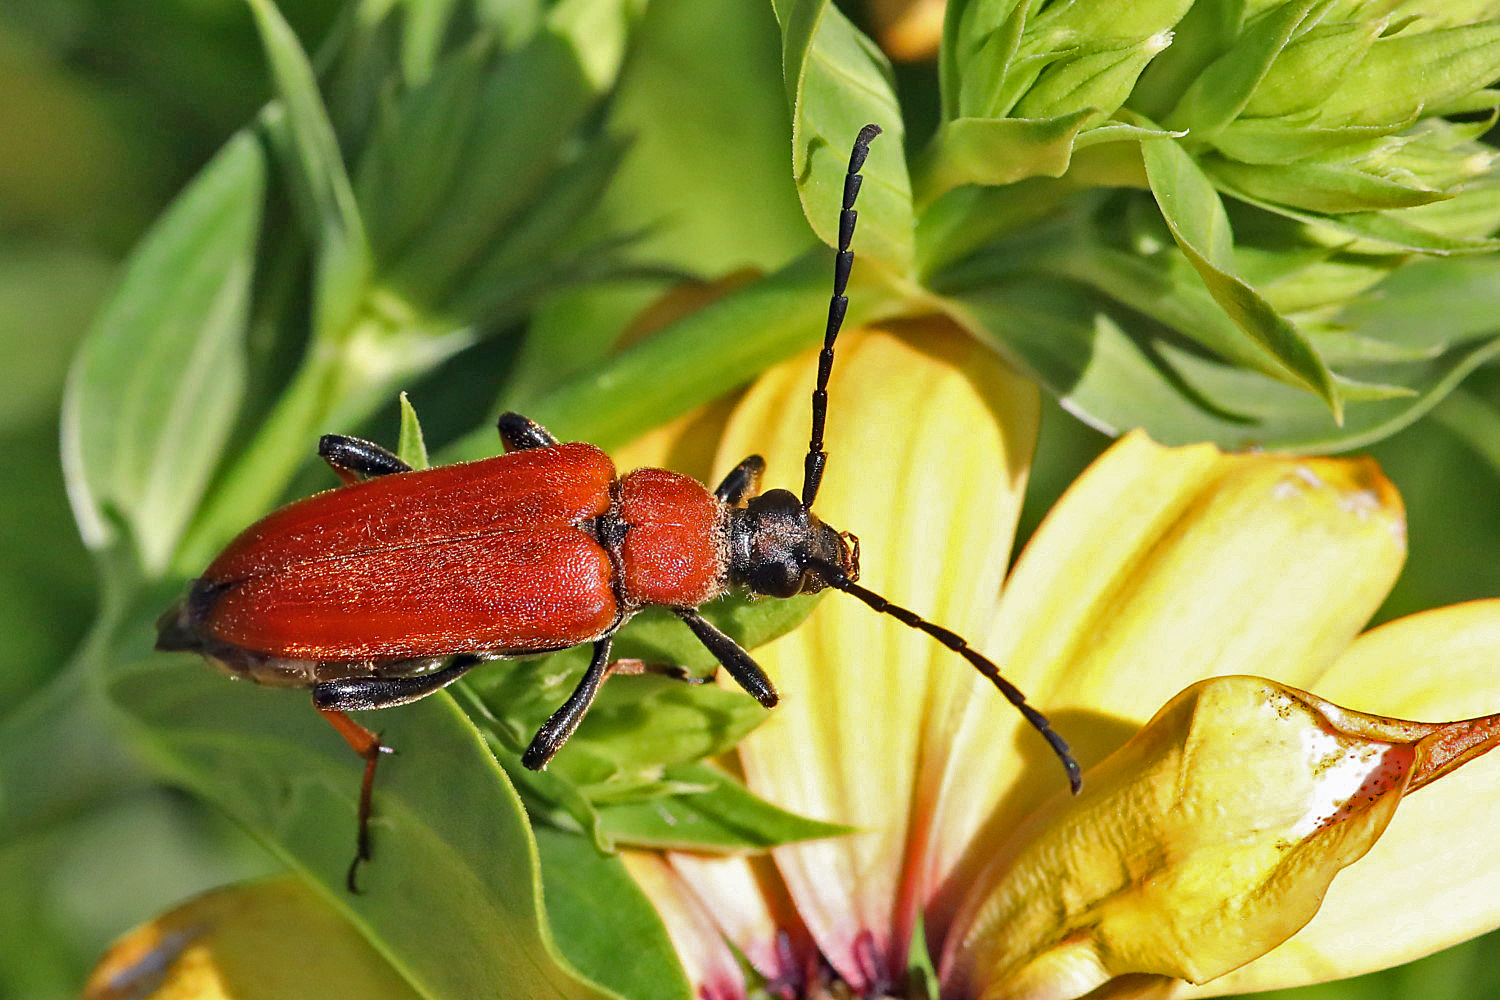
(1433, 879)
(751, 907)
(272, 940)
(1159, 567)
(929, 441)
(1206, 841)
(908, 30)
(707, 960)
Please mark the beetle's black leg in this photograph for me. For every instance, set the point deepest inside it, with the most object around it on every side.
(354, 694)
(353, 459)
(334, 698)
(742, 482)
(741, 667)
(517, 433)
(556, 730)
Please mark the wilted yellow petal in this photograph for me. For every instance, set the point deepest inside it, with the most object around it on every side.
(1204, 842)
(272, 940)
(710, 966)
(1433, 879)
(1159, 567)
(908, 30)
(929, 440)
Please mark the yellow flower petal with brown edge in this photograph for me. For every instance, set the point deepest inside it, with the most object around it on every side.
(1204, 842)
(929, 440)
(1159, 567)
(1434, 876)
(271, 940)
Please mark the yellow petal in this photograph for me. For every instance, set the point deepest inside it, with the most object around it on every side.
(908, 30)
(752, 910)
(1159, 567)
(1434, 877)
(1201, 844)
(272, 940)
(706, 959)
(929, 441)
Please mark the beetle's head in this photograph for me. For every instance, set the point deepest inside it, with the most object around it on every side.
(776, 545)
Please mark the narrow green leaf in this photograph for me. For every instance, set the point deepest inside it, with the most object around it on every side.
(723, 818)
(1475, 419)
(658, 636)
(605, 924)
(412, 448)
(1227, 84)
(837, 81)
(696, 359)
(528, 111)
(320, 183)
(1428, 305)
(1409, 70)
(451, 840)
(1335, 189)
(1115, 378)
(1379, 232)
(155, 388)
(1310, 67)
(1200, 227)
(979, 42)
(1287, 140)
(1000, 151)
(1099, 79)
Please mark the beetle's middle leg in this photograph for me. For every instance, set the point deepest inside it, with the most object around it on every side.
(556, 730)
(353, 459)
(333, 698)
(517, 433)
(741, 667)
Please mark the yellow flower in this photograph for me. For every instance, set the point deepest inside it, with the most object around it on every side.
(1208, 831)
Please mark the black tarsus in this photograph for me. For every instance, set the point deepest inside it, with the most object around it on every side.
(353, 458)
(743, 481)
(746, 672)
(812, 474)
(840, 581)
(561, 724)
(518, 433)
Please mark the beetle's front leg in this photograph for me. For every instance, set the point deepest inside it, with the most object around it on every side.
(741, 667)
(353, 459)
(743, 481)
(518, 433)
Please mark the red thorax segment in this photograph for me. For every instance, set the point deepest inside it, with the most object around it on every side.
(675, 548)
(491, 555)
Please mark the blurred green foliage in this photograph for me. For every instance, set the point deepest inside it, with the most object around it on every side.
(411, 222)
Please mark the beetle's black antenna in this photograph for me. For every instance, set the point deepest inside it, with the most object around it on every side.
(839, 580)
(812, 475)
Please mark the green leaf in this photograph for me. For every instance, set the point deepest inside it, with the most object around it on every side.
(1115, 377)
(1000, 150)
(1334, 189)
(1410, 70)
(1429, 305)
(1287, 140)
(1227, 84)
(451, 841)
(1099, 79)
(1380, 232)
(604, 923)
(695, 359)
(1196, 217)
(1310, 67)
(656, 635)
(320, 185)
(412, 448)
(156, 386)
(725, 817)
(528, 110)
(837, 81)
(979, 43)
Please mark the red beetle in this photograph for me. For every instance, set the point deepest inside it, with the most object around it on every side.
(394, 585)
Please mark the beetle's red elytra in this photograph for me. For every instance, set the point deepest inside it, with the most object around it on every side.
(392, 586)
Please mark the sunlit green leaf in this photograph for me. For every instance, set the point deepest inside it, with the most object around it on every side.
(412, 448)
(837, 81)
(156, 387)
(450, 838)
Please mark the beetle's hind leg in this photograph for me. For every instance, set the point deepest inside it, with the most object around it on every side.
(742, 482)
(353, 459)
(518, 433)
(333, 698)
